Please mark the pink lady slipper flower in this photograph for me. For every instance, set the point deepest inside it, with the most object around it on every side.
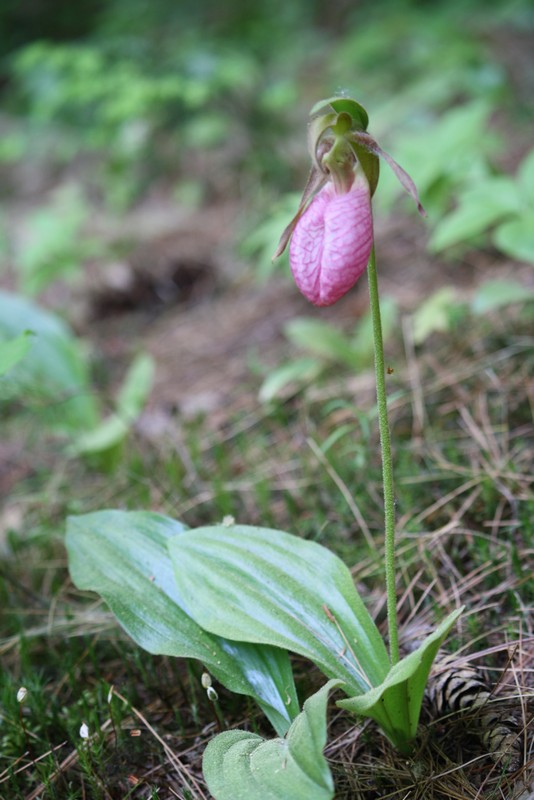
(332, 232)
(332, 241)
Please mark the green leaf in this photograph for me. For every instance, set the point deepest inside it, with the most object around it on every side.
(448, 152)
(396, 704)
(496, 294)
(525, 177)
(302, 370)
(105, 436)
(54, 246)
(134, 392)
(479, 208)
(260, 585)
(320, 338)
(54, 375)
(123, 556)
(130, 402)
(13, 351)
(516, 237)
(447, 147)
(434, 314)
(241, 766)
(328, 342)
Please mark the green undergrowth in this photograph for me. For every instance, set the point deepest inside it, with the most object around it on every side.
(464, 511)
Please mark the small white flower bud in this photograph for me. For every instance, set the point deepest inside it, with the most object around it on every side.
(84, 730)
(205, 680)
(21, 694)
(212, 694)
(228, 521)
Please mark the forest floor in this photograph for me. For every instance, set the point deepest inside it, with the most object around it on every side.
(206, 446)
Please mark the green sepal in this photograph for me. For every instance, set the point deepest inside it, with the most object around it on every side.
(362, 140)
(396, 704)
(341, 105)
(238, 765)
(316, 131)
(370, 165)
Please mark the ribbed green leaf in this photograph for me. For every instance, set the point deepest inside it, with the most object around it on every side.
(123, 556)
(260, 585)
(242, 766)
(396, 704)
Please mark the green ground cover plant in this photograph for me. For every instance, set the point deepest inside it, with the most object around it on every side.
(500, 203)
(55, 245)
(45, 369)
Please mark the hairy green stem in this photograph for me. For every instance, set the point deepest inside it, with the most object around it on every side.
(387, 466)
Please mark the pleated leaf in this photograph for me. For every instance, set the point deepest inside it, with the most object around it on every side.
(396, 704)
(124, 557)
(242, 766)
(260, 585)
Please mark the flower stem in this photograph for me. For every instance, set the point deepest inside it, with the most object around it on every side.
(387, 466)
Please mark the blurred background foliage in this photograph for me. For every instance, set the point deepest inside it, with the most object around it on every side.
(144, 83)
(208, 101)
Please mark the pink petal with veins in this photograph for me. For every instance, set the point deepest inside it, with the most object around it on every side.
(331, 243)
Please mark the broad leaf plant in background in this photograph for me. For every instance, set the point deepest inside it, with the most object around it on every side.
(44, 367)
(240, 598)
